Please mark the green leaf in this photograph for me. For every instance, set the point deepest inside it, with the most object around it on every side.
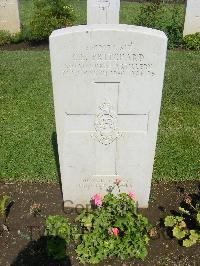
(184, 210)
(178, 233)
(193, 238)
(3, 204)
(194, 235)
(120, 222)
(187, 243)
(87, 221)
(198, 217)
(170, 221)
(56, 248)
(179, 218)
(58, 226)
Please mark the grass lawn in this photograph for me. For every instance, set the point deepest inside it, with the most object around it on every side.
(27, 125)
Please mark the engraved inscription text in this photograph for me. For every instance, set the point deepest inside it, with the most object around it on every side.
(109, 60)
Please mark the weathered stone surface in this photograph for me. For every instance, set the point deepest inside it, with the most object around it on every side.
(107, 83)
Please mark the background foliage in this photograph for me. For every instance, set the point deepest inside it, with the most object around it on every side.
(157, 16)
(192, 41)
(39, 19)
(48, 16)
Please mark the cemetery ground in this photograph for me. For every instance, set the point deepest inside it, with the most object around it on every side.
(24, 244)
(29, 165)
(30, 169)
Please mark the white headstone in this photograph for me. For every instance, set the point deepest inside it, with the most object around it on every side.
(103, 11)
(9, 16)
(192, 17)
(107, 82)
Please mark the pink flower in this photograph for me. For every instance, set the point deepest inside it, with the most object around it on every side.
(132, 195)
(113, 231)
(97, 198)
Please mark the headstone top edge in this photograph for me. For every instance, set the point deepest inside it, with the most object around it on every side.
(98, 27)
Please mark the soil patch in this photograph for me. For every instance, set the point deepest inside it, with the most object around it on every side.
(24, 244)
(26, 46)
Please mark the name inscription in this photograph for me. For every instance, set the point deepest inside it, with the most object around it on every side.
(109, 60)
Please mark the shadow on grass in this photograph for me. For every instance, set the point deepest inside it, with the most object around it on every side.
(56, 156)
(35, 254)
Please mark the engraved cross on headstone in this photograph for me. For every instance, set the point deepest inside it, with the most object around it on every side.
(103, 11)
(107, 126)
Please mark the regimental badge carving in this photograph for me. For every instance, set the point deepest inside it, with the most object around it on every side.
(103, 4)
(105, 124)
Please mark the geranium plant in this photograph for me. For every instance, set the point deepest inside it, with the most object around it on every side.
(112, 228)
(186, 225)
(58, 232)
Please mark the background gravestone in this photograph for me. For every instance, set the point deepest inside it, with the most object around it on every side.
(9, 16)
(192, 17)
(103, 11)
(107, 82)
